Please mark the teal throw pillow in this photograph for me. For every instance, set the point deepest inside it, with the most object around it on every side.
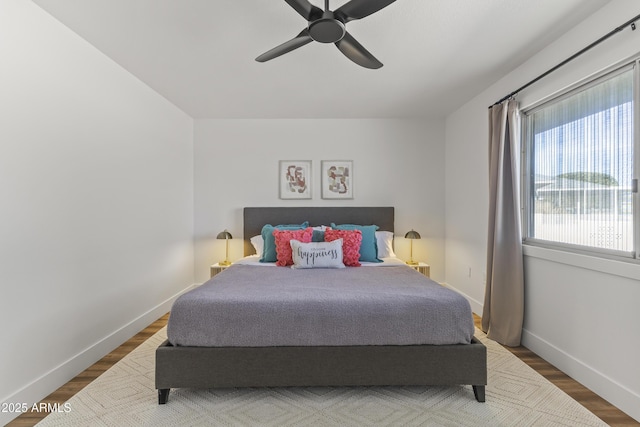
(318, 236)
(269, 253)
(369, 245)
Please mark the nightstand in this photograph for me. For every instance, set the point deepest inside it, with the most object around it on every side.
(423, 268)
(217, 268)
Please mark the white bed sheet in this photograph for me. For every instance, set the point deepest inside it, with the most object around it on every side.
(255, 260)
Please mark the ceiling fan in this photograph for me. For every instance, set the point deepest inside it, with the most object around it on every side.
(329, 27)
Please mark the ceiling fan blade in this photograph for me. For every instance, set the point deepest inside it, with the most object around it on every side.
(357, 53)
(358, 9)
(299, 41)
(306, 9)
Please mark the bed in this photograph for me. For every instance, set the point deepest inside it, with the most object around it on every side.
(326, 364)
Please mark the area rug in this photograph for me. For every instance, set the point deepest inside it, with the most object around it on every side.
(515, 396)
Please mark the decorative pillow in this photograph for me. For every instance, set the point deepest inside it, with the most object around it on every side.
(317, 254)
(369, 247)
(258, 244)
(269, 247)
(318, 233)
(384, 239)
(283, 247)
(351, 240)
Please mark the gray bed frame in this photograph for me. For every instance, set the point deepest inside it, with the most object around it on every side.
(227, 367)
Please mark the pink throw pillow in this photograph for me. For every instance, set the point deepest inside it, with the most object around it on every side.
(351, 241)
(283, 247)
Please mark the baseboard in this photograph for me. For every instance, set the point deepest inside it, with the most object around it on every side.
(476, 306)
(617, 394)
(60, 375)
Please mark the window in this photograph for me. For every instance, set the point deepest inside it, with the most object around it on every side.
(579, 167)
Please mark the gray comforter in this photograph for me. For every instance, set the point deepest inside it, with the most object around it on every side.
(252, 306)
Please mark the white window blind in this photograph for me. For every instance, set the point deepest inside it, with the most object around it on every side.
(580, 167)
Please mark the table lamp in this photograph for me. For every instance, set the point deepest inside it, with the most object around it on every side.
(225, 235)
(412, 235)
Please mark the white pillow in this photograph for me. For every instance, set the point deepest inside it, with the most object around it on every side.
(317, 254)
(258, 244)
(384, 239)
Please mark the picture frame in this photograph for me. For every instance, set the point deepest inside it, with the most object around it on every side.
(337, 179)
(295, 179)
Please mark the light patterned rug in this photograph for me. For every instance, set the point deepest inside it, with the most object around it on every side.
(516, 396)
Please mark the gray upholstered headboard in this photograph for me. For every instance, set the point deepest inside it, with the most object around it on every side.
(256, 218)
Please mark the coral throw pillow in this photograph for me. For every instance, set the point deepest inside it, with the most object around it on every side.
(351, 241)
(283, 247)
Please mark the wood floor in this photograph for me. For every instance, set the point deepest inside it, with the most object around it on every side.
(600, 407)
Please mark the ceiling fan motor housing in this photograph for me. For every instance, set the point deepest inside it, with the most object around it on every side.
(327, 29)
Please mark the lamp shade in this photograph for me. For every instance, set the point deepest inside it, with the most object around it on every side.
(224, 235)
(412, 235)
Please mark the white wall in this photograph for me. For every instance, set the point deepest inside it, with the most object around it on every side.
(580, 312)
(96, 194)
(397, 163)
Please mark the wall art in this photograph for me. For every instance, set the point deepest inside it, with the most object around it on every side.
(337, 179)
(295, 179)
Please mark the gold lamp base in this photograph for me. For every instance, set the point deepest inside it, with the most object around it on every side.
(412, 262)
(224, 263)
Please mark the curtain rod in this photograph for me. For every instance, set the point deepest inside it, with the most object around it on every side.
(631, 22)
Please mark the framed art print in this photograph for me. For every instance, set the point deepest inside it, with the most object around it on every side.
(337, 179)
(295, 179)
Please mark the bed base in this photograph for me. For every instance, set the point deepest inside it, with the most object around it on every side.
(231, 367)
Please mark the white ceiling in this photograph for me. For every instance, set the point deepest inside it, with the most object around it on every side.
(437, 54)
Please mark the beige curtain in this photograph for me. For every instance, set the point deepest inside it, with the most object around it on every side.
(503, 310)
